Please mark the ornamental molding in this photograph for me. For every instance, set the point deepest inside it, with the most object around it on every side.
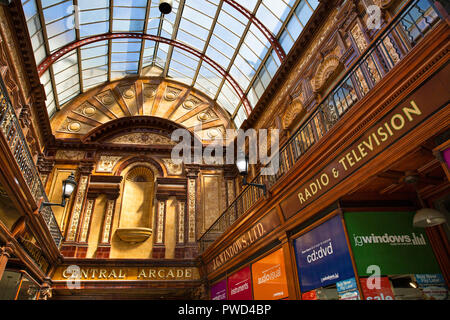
(143, 138)
(107, 163)
(173, 168)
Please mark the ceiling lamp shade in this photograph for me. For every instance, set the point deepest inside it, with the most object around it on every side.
(427, 217)
(165, 6)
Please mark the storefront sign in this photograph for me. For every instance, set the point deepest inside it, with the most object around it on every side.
(322, 255)
(269, 277)
(240, 285)
(388, 240)
(219, 290)
(127, 273)
(346, 285)
(310, 295)
(347, 289)
(424, 280)
(432, 285)
(376, 288)
(414, 109)
(258, 231)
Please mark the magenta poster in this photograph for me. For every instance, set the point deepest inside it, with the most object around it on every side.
(446, 155)
(239, 285)
(219, 290)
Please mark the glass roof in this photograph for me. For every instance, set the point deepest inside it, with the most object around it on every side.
(213, 27)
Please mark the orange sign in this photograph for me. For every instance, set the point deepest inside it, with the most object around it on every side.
(269, 277)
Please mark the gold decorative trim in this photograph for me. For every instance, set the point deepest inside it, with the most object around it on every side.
(77, 208)
(191, 209)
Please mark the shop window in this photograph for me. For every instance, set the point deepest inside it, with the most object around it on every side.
(17, 285)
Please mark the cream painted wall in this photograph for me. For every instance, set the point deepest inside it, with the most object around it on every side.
(56, 192)
(170, 227)
(96, 225)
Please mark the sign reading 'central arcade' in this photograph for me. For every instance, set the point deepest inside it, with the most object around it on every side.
(89, 273)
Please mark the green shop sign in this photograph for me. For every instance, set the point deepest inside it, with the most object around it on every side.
(388, 240)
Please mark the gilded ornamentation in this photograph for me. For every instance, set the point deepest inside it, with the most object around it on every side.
(150, 91)
(128, 93)
(191, 103)
(108, 220)
(171, 94)
(295, 108)
(62, 154)
(77, 208)
(173, 168)
(191, 210)
(384, 4)
(392, 52)
(87, 219)
(325, 69)
(320, 37)
(74, 126)
(230, 189)
(161, 209)
(214, 133)
(181, 210)
(358, 36)
(106, 98)
(107, 163)
(146, 138)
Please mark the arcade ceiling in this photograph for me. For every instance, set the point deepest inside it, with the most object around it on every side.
(229, 50)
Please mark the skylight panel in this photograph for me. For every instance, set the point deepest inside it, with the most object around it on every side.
(209, 74)
(227, 37)
(206, 87)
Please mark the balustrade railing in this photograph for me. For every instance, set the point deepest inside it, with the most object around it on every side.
(391, 45)
(12, 132)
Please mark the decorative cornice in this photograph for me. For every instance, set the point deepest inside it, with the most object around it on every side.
(321, 14)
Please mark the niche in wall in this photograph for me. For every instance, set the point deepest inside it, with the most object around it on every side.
(137, 205)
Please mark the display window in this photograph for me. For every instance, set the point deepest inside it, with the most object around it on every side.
(219, 290)
(240, 285)
(394, 260)
(18, 285)
(269, 277)
(324, 265)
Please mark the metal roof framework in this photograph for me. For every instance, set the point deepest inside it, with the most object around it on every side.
(248, 40)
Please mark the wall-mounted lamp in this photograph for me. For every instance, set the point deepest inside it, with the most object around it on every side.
(242, 165)
(424, 217)
(69, 186)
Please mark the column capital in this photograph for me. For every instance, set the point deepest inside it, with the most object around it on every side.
(192, 170)
(85, 167)
(7, 250)
(44, 164)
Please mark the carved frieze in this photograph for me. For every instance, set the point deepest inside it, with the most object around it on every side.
(181, 212)
(63, 154)
(107, 163)
(77, 208)
(160, 221)
(293, 110)
(145, 138)
(191, 209)
(86, 220)
(108, 220)
(173, 168)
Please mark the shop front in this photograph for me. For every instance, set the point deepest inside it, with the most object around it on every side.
(346, 210)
